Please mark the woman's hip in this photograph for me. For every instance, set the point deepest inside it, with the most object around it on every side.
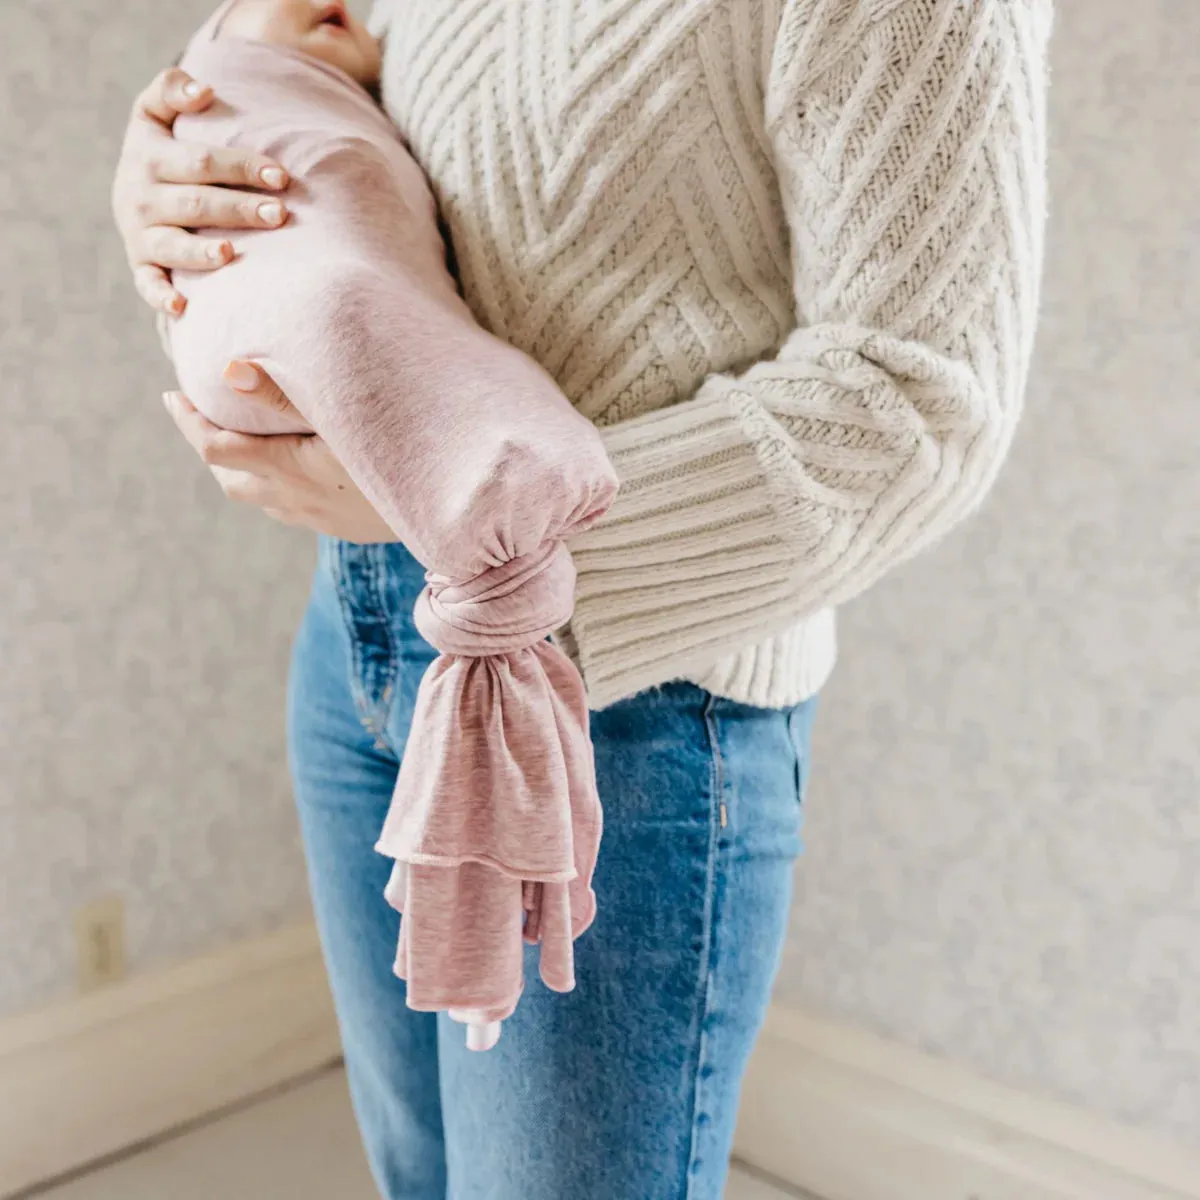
(633, 1077)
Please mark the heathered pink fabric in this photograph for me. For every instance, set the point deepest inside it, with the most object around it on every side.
(481, 466)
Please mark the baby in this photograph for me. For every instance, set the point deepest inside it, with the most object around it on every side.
(325, 31)
(464, 446)
(350, 306)
(297, 79)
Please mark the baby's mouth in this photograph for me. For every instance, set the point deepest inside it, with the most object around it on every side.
(334, 17)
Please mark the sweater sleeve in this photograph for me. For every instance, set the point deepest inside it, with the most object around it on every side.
(908, 137)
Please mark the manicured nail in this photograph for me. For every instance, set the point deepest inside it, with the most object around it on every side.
(192, 89)
(218, 252)
(271, 212)
(241, 376)
(175, 304)
(273, 177)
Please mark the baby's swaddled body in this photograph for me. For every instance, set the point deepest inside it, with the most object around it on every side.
(351, 308)
(359, 206)
(474, 457)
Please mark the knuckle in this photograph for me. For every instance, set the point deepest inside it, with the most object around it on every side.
(143, 209)
(191, 207)
(150, 246)
(161, 244)
(201, 164)
(172, 88)
(247, 489)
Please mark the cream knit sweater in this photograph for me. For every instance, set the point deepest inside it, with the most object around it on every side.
(785, 253)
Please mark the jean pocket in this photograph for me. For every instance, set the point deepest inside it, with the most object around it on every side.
(800, 725)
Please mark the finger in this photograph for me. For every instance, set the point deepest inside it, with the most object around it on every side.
(217, 447)
(155, 287)
(315, 460)
(245, 487)
(181, 162)
(176, 249)
(255, 384)
(170, 93)
(195, 428)
(196, 206)
(300, 519)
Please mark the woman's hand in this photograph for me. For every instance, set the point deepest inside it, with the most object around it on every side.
(164, 188)
(293, 477)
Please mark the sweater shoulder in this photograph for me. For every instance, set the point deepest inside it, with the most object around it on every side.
(813, 35)
(823, 48)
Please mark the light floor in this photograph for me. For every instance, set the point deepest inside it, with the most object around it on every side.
(296, 1145)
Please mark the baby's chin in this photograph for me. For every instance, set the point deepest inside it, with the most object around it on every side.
(361, 64)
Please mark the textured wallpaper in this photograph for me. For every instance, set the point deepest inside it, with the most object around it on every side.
(144, 620)
(1004, 827)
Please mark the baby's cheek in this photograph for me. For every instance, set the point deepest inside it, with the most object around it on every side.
(373, 63)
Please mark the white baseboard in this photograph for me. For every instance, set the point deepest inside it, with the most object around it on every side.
(833, 1110)
(103, 1072)
(849, 1116)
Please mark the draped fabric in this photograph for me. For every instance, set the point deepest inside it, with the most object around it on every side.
(475, 458)
(496, 823)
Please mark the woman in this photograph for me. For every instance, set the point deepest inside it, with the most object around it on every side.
(785, 254)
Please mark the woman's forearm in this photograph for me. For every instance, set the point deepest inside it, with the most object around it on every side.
(881, 423)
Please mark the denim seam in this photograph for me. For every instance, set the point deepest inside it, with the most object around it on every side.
(373, 713)
(386, 697)
(337, 573)
(717, 785)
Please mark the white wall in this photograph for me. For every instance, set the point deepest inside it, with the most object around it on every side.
(1003, 859)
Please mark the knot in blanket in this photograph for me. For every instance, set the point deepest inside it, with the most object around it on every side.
(509, 607)
(496, 822)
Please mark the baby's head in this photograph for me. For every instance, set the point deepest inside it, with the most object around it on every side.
(322, 29)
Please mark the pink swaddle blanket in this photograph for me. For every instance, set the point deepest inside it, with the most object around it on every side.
(478, 462)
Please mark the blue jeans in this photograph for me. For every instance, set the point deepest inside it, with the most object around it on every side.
(627, 1088)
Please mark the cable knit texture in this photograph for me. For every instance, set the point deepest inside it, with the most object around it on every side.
(786, 253)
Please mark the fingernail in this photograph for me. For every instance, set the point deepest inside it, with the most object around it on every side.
(218, 252)
(192, 89)
(241, 376)
(175, 304)
(271, 212)
(273, 177)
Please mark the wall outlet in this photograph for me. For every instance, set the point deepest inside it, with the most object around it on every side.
(100, 942)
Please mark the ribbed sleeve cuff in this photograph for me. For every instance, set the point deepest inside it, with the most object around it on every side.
(688, 562)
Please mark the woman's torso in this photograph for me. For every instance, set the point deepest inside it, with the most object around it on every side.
(606, 180)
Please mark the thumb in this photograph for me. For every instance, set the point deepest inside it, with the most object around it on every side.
(251, 381)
